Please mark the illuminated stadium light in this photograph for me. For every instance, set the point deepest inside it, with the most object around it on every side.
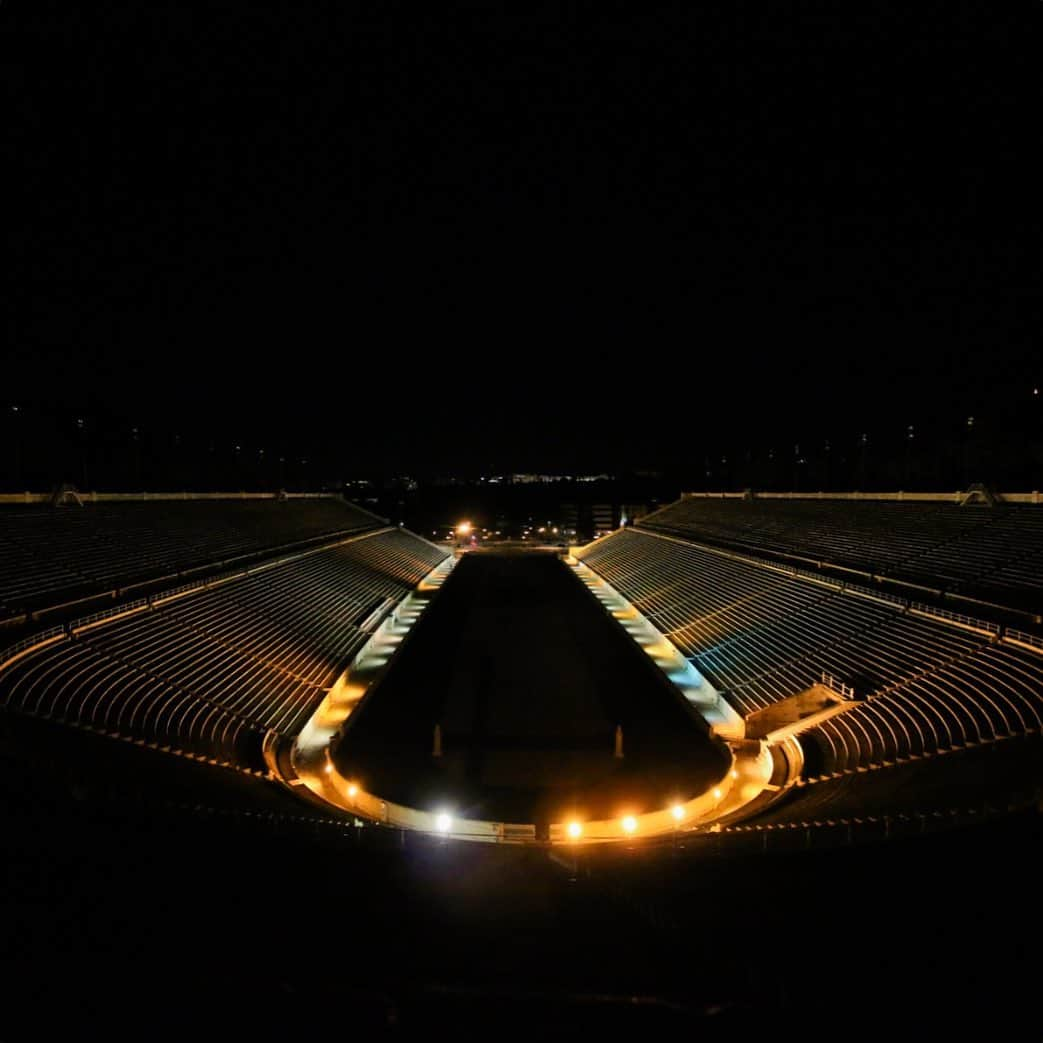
(629, 823)
(678, 812)
(444, 822)
(575, 830)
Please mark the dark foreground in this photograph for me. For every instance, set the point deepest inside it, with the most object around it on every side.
(527, 678)
(144, 897)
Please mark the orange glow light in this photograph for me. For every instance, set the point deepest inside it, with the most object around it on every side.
(575, 830)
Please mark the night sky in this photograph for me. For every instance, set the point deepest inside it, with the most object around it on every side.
(681, 229)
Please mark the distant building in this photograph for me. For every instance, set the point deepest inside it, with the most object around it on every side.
(605, 517)
(586, 520)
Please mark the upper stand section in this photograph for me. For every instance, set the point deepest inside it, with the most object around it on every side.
(64, 552)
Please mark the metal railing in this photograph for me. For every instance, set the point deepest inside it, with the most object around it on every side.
(898, 497)
(126, 608)
(10, 651)
(835, 684)
(876, 594)
(973, 622)
(96, 497)
(1023, 638)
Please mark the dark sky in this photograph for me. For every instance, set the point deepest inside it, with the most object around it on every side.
(332, 226)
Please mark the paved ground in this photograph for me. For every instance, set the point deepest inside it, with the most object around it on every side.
(528, 678)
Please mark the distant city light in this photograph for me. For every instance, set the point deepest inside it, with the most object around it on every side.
(464, 528)
(575, 830)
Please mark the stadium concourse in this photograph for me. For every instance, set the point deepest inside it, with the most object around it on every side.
(228, 719)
